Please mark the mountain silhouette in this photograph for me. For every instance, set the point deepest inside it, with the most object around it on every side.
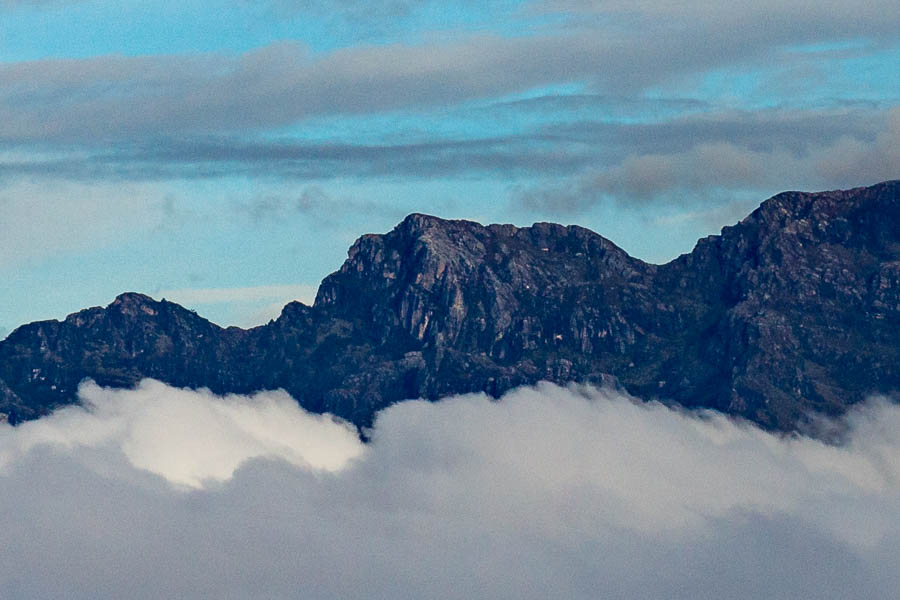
(794, 311)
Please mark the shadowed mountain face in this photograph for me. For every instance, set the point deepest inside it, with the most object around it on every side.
(794, 310)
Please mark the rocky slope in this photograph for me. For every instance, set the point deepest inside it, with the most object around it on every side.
(794, 310)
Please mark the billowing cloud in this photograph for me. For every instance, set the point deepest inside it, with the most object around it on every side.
(188, 438)
(549, 492)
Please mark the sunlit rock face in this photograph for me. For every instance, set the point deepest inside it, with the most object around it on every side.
(795, 310)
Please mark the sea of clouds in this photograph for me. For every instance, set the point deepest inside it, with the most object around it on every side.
(549, 492)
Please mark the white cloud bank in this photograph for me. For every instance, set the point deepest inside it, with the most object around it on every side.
(189, 438)
(548, 493)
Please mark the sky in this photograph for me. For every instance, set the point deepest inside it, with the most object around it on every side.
(549, 493)
(226, 154)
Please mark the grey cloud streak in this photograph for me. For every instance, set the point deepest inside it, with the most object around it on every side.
(356, 11)
(724, 148)
(312, 202)
(712, 162)
(106, 98)
(793, 21)
(110, 98)
(550, 492)
(220, 157)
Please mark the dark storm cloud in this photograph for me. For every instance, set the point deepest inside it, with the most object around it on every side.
(550, 492)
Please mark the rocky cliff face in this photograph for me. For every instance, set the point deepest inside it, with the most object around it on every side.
(796, 309)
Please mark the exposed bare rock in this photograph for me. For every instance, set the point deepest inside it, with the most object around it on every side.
(796, 309)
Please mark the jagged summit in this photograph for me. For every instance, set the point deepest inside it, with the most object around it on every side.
(132, 298)
(414, 222)
(795, 309)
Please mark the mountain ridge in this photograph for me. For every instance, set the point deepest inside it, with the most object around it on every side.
(793, 310)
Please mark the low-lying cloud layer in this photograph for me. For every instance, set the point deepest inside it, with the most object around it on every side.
(186, 437)
(550, 492)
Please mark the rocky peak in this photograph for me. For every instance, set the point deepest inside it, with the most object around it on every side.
(794, 309)
(445, 280)
(133, 299)
(132, 304)
(424, 250)
(829, 216)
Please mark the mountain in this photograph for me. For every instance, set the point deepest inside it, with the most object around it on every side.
(795, 310)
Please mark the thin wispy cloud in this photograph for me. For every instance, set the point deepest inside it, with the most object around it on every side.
(43, 219)
(246, 307)
(303, 292)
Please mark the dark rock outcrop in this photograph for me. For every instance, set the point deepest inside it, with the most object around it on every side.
(794, 310)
